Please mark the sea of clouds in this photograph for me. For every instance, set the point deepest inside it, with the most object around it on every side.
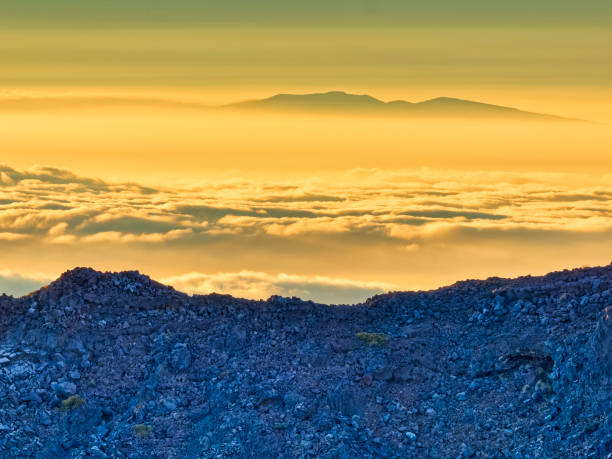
(422, 215)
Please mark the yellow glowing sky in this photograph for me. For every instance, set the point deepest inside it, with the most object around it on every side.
(151, 143)
(104, 167)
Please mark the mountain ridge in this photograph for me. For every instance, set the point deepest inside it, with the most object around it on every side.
(81, 277)
(341, 101)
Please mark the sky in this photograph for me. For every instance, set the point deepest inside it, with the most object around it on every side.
(335, 13)
(114, 153)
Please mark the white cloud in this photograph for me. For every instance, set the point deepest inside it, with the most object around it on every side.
(58, 230)
(7, 236)
(116, 236)
(18, 284)
(260, 285)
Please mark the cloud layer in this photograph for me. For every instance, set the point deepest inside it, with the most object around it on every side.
(18, 284)
(59, 207)
(243, 230)
(258, 285)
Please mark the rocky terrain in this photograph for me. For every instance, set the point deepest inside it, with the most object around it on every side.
(117, 365)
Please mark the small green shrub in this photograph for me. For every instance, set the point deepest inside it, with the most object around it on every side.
(142, 430)
(374, 339)
(71, 403)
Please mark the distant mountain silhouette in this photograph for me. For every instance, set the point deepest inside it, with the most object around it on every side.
(342, 102)
(334, 102)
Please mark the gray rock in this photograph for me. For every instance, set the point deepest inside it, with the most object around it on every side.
(84, 420)
(291, 399)
(95, 451)
(346, 400)
(64, 388)
(170, 404)
(32, 397)
(237, 338)
(403, 374)
(466, 451)
(304, 410)
(180, 357)
(45, 420)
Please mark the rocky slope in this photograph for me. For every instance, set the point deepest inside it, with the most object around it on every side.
(116, 365)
